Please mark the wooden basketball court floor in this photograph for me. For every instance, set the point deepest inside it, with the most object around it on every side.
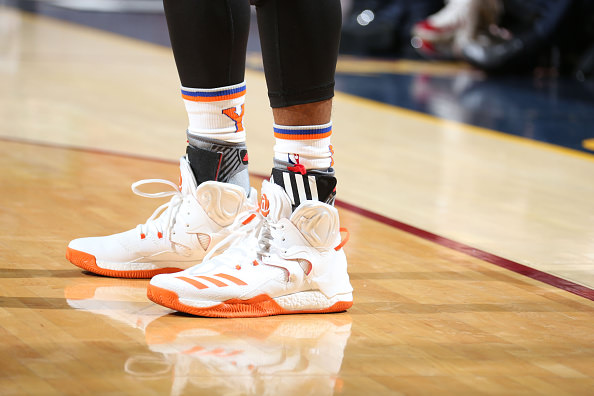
(471, 252)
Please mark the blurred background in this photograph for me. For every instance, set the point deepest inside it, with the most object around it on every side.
(521, 67)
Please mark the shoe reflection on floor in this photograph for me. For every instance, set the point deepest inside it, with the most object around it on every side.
(294, 354)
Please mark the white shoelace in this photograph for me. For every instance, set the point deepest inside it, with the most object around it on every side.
(241, 229)
(163, 218)
(251, 242)
(235, 247)
(266, 241)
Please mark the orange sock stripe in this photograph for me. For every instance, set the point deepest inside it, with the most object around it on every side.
(302, 137)
(213, 98)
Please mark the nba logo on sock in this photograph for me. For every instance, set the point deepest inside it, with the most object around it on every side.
(293, 158)
(237, 118)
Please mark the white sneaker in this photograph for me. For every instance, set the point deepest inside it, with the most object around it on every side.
(178, 235)
(284, 263)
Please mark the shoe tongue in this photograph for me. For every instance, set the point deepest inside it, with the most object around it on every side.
(274, 203)
(314, 185)
(187, 180)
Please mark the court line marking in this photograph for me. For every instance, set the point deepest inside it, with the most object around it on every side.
(513, 266)
(541, 276)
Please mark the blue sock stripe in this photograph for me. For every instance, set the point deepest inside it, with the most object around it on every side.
(313, 131)
(210, 94)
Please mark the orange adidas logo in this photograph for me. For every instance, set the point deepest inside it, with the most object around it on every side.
(264, 205)
(212, 281)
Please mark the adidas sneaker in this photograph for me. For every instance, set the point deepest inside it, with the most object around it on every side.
(178, 235)
(278, 261)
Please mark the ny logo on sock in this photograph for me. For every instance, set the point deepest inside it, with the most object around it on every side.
(237, 118)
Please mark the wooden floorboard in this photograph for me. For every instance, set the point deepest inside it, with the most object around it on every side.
(426, 319)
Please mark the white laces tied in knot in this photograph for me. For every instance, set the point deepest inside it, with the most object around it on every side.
(247, 224)
(163, 218)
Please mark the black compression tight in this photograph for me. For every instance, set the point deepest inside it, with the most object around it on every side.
(299, 45)
(209, 38)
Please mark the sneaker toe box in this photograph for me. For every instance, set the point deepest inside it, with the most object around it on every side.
(104, 249)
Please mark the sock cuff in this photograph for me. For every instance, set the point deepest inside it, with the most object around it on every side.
(302, 132)
(214, 94)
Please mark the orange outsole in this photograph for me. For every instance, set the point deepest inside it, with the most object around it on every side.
(262, 305)
(87, 262)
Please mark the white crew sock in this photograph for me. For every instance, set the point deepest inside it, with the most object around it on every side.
(307, 147)
(216, 113)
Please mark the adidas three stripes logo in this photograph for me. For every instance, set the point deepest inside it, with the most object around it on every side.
(299, 187)
(204, 282)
